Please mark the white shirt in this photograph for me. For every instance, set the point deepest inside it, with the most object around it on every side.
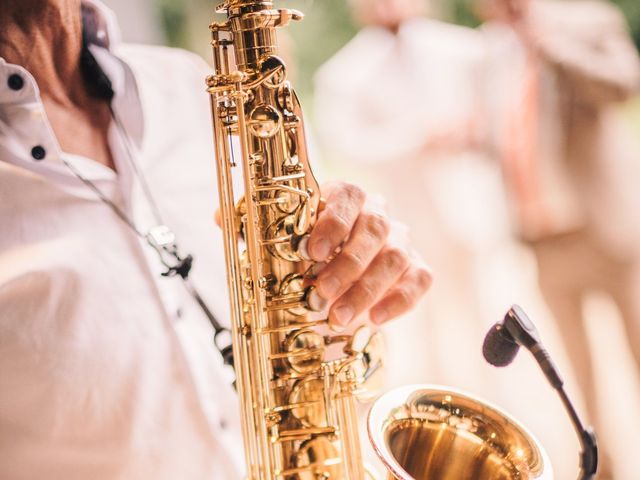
(396, 91)
(107, 370)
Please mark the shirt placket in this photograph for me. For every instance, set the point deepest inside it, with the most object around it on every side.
(28, 136)
(31, 143)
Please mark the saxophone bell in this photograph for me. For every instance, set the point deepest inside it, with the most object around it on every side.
(428, 432)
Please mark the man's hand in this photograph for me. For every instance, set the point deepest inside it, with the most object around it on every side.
(368, 274)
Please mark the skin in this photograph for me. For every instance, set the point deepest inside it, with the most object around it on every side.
(389, 14)
(512, 12)
(369, 275)
(45, 37)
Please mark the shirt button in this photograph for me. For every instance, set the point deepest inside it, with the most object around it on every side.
(15, 82)
(38, 153)
(223, 424)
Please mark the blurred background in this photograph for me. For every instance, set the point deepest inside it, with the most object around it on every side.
(183, 23)
(457, 209)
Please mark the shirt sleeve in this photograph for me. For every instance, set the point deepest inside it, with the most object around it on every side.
(599, 60)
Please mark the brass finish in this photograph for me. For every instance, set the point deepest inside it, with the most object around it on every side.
(298, 384)
(297, 395)
(428, 432)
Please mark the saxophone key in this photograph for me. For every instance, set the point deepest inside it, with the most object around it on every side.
(302, 434)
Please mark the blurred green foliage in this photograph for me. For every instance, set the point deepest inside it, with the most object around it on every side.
(460, 11)
(328, 27)
(631, 9)
(173, 16)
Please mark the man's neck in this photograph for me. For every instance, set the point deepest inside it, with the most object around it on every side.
(45, 37)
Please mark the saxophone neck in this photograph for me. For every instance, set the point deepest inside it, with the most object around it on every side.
(254, 24)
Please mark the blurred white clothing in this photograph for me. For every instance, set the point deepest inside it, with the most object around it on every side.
(386, 96)
(107, 370)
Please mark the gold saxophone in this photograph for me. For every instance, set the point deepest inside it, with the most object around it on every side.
(297, 382)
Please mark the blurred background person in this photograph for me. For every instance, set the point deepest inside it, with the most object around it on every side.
(557, 72)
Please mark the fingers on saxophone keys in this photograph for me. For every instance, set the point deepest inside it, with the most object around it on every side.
(316, 269)
(303, 248)
(335, 222)
(315, 302)
(381, 275)
(402, 296)
(367, 239)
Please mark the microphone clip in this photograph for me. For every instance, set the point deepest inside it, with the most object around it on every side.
(162, 239)
(182, 268)
(589, 454)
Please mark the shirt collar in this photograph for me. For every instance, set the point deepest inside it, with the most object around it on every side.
(100, 23)
(103, 34)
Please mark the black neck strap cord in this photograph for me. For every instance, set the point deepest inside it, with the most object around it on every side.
(160, 237)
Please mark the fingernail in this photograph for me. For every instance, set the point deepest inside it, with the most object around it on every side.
(315, 302)
(303, 248)
(322, 250)
(316, 268)
(343, 315)
(335, 328)
(379, 316)
(329, 287)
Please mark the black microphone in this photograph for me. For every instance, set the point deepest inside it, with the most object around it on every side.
(96, 80)
(501, 345)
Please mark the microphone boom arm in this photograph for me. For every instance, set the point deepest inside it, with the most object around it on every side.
(587, 438)
(500, 348)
